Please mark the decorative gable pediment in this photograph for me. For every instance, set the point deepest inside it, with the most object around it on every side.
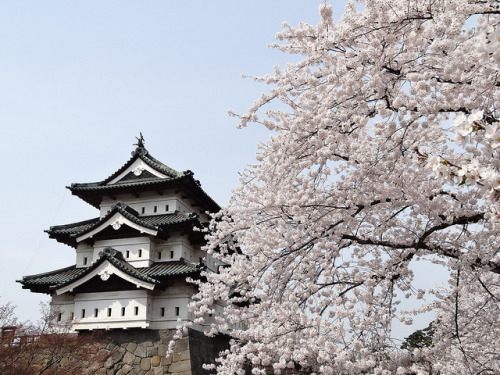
(140, 170)
(115, 221)
(110, 263)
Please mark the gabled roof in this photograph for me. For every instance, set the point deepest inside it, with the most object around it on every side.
(110, 261)
(149, 174)
(121, 214)
(143, 154)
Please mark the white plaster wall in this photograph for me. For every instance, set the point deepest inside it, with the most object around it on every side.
(149, 303)
(212, 263)
(176, 296)
(130, 300)
(84, 251)
(177, 247)
(148, 200)
(64, 304)
(148, 204)
(133, 245)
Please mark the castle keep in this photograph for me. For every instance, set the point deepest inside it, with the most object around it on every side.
(132, 260)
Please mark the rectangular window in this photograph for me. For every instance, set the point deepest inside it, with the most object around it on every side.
(143, 210)
(59, 317)
(140, 253)
(166, 208)
(171, 255)
(72, 316)
(176, 311)
(85, 260)
(96, 312)
(83, 313)
(159, 254)
(123, 311)
(136, 310)
(155, 208)
(109, 312)
(127, 254)
(162, 311)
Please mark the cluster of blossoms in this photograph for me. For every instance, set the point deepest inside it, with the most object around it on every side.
(492, 46)
(479, 134)
(485, 138)
(473, 132)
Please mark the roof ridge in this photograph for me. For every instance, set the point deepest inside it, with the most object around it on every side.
(153, 162)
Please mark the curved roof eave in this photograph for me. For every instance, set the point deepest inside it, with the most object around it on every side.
(118, 266)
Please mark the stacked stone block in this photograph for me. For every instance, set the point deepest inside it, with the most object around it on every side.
(143, 352)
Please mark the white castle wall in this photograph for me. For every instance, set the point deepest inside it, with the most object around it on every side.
(125, 309)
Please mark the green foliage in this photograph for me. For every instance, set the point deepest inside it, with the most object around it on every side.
(419, 339)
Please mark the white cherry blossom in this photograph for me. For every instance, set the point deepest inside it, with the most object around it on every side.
(359, 180)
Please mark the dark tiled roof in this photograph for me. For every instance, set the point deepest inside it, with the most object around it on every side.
(143, 154)
(99, 187)
(56, 277)
(69, 232)
(167, 269)
(92, 192)
(74, 228)
(139, 153)
(49, 281)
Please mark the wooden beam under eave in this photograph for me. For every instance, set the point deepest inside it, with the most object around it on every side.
(159, 192)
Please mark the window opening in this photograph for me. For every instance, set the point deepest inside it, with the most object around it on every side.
(159, 254)
(85, 261)
(83, 313)
(59, 317)
(136, 310)
(162, 311)
(166, 208)
(128, 254)
(140, 253)
(109, 312)
(155, 208)
(96, 312)
(176, 311)
(123, 311)
(143, 210)
(171, 255)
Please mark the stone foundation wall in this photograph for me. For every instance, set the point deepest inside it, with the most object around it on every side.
(143, 352)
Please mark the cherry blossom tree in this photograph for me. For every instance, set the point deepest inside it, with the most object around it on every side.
(47, 347)
(384, 151)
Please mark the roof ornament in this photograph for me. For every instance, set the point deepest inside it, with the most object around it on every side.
(140, 141)
(104, 275)
(116, 225)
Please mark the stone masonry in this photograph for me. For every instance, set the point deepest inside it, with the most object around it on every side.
(143, 352)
